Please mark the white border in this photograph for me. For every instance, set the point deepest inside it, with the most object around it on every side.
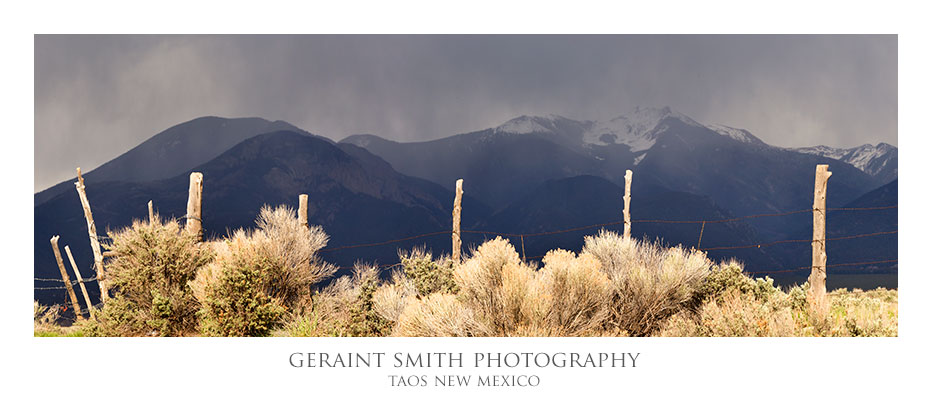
(727, 370)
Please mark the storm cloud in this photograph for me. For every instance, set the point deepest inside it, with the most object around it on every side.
(98, 96)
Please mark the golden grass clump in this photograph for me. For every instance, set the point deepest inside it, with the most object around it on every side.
(570, 295)
(439, 315)
(495, 284)
(649, 283)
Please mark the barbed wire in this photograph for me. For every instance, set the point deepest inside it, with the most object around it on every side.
(615, 223)
(606, 224)
(775, 271)
(73, 282)
(867, 208)
(386, 242)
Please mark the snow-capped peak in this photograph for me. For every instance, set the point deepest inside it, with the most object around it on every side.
(525, 124)
(863, 157)
(637, 129)
(741, 135)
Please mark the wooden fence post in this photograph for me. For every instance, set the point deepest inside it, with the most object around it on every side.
(302, 209)
(628, 175)
(77, 273)
(819, 259)
(194, 222)
(457, 209)
(65, 278)
(92, 233)
(151, 213)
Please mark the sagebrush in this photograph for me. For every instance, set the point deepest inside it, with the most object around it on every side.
(259, 275)
(271, 281)
(148, 280)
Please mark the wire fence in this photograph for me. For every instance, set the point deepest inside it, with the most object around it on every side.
(703, 222)
(522, 236)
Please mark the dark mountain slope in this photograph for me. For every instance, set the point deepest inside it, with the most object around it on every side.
(174, 151)
(356, 200)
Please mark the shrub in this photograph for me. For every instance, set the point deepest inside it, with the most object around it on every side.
(729, 276)
(429, 276)
(390, 299)
(649, 283)
(498, 295)
(495, 285)
(570, 296)
(364, 321)
(148, 279)
(328, 312)
(258, 276)
(345, 308)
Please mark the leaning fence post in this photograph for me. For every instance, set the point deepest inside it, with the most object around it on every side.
(77, 274)
(151, 213)
(302, 209)
(819, 259)
(457, 209)
(65, 278)
(628, 175)
(194, 222)
(92, 233)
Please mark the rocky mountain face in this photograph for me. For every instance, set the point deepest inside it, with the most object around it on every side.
(741, 173)
(879, 161)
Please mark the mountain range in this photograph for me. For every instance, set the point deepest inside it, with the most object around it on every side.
(532, 174)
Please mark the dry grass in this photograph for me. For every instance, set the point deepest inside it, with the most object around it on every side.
(858, 313)
(391, 298)
(345, 308)
(45, 318)
(739, 313)
(735, 314)
(439, 315)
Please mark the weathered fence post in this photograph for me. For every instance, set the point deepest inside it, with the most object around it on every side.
(151, 213)
(457, 209)
(77, 273)
(65, 278)
(302, 209)
(92, 233)
(194, 222)
(817, 277)
(628, 175)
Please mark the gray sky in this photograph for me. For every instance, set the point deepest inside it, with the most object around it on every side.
(98, 96)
